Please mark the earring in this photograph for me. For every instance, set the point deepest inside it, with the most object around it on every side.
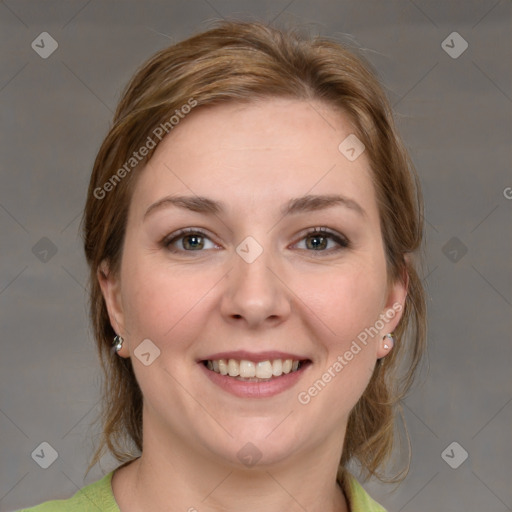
(388, 345)
(117, 343)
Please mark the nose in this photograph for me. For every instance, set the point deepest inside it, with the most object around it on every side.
(255, 294)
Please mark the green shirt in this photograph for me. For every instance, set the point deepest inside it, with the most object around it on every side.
(98, 496)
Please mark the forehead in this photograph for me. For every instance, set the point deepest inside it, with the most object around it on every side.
(257, 155)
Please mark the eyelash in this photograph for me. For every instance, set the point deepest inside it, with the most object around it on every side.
(341, 240)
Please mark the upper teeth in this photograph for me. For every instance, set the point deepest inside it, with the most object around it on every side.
(248, 369)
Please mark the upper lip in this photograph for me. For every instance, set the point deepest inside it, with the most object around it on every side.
(240, 355)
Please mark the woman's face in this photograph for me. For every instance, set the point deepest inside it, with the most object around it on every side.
(282, 259)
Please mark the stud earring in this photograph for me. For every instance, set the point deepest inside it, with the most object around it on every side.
(388, 345)
(117, 343)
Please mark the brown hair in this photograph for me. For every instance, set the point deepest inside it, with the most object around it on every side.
(242, 61)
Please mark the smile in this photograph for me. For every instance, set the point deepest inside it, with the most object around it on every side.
(251, 371)
(265, 378)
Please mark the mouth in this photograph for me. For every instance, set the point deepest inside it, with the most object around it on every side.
(253, 375)
(245, 370)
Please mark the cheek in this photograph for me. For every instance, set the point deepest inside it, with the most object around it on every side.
(344, 304)
(159, 301)
(346, 300)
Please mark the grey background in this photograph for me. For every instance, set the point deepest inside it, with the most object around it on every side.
(455, 117)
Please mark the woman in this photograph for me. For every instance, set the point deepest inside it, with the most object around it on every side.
(251, 227)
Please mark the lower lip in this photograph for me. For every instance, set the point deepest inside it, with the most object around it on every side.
(246, 389)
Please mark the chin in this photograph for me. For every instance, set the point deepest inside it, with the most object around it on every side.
(255, 446)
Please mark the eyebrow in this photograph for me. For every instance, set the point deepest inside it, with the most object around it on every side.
(304, 204)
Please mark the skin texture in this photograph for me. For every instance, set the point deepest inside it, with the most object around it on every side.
(293, 298)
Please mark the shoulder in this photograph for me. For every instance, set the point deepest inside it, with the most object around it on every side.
(359, 500)
(94, 497)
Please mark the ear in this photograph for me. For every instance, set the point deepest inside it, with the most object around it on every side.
(111, 290)
(395, 304)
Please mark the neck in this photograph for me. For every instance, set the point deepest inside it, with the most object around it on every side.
(174, 472)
